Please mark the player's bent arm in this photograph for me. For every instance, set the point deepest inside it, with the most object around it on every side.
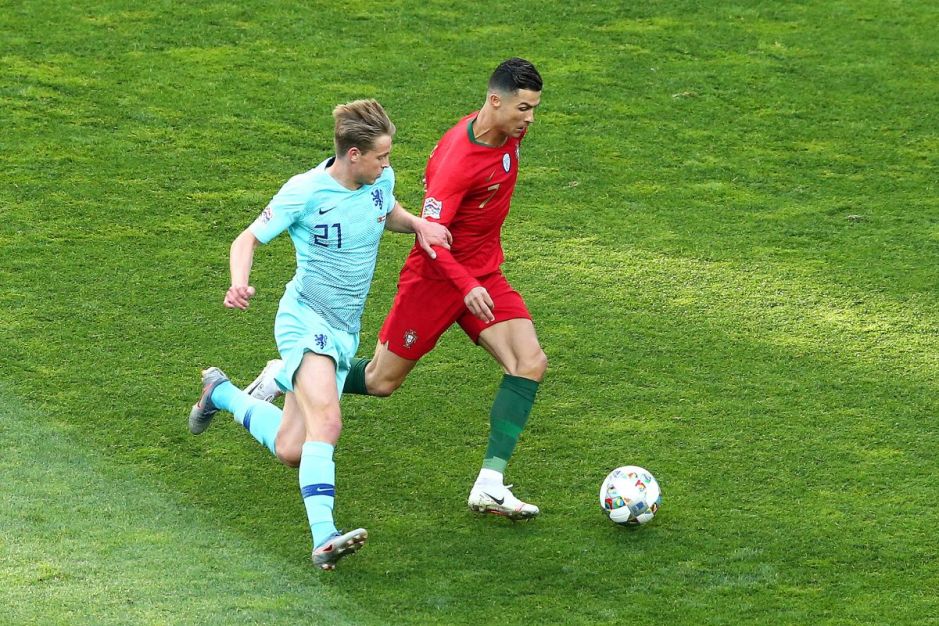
(240, 260)
(442, 200)
(399, 220)
(449, 268)
(429, 234)
(475, 296)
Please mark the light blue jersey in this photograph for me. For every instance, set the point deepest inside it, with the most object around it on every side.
(336, 233)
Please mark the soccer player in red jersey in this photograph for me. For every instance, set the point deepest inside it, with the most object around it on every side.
(469, 181)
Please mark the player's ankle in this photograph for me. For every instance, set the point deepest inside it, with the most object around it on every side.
(489, 478)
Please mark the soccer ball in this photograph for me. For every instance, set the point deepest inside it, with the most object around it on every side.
(630, 495)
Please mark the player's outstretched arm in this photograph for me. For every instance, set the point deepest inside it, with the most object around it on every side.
(429, 234)
(240, 261)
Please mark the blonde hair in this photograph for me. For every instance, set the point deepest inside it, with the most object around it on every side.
(359, 124)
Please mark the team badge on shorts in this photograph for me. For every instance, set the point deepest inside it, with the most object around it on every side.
(410, 337)
(432, 208)
(320, 341)
(506, 162)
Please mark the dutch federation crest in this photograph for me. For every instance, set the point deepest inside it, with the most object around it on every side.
(377, 198)
(432, 208)
(506, 162)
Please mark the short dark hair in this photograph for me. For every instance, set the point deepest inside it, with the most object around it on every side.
(514, 74)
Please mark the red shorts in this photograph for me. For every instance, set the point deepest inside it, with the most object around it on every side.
(425, 307)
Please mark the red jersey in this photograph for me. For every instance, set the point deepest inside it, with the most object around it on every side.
(468, 188)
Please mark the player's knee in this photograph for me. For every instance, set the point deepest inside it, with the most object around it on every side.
(533, 366)
(328, 425)
(288, 450)
(384, 387)
(289, 461)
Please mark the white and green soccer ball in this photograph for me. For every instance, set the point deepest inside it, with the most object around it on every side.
(630, 495)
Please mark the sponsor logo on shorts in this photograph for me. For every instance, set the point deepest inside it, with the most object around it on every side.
(410, 337)
(432, 208)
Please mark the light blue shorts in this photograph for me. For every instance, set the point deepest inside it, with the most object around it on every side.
(298, 329)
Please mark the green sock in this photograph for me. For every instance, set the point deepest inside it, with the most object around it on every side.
(355, 381)
(509, 413)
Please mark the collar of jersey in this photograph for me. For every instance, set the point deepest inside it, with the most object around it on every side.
(472, 137)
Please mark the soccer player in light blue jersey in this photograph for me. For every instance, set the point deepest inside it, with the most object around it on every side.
(335, 215)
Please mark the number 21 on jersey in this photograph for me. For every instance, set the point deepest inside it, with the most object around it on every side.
(321, 235)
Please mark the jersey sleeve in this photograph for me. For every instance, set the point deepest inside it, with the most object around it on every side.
(441, 203)
(284, 209)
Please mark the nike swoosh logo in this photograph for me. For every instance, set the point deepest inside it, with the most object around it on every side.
(323, 212)
(319, 489)
(495, 499)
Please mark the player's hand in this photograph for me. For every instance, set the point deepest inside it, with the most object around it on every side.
(237, 297)
(431, 234)
(480, 304)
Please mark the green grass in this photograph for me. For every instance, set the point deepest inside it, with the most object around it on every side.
(87, 543)
(727, 230)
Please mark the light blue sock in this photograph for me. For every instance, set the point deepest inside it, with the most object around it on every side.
(224, 395)
(318, 488)
(261, 419)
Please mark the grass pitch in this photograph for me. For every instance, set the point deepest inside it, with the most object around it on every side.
(726, 228)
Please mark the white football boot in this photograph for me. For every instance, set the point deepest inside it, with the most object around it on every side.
(337, 546)
(498, 500)
(264, 387)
